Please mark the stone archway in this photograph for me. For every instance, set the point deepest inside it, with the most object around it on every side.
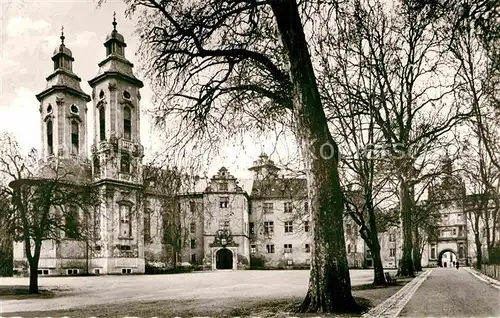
(224, 259)
(447, 258)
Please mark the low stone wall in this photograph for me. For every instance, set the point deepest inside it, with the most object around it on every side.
(492, 271)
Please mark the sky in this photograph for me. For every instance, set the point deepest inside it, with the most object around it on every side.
(30, 32)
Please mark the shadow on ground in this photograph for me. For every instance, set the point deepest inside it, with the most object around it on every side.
(367, 296)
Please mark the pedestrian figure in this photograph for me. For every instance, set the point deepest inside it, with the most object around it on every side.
(457, 265)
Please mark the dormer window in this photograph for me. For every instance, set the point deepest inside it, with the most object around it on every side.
(223, 187)
(126, 95)
(49, 109)
(127, 123)
(101, 94)
(74, 109)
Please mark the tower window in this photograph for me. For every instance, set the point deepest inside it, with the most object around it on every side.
(97, 166)
(126, 95)
(50, 147)
(75, 137)
(102, 123)
(74, 109)
(49, 109)
(101, 94)
(127, 123)
(125, 163)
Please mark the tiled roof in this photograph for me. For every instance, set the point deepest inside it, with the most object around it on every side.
(279, 188)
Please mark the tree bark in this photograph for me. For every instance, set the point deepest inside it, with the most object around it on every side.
(33, 288)
(417, 257)
(329, 283)
(479, 252)
(406, 268)
(378, 268)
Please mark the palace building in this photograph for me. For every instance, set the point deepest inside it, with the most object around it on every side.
(217, 223)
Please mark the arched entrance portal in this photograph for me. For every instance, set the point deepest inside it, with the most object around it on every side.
(447, 258)
(224, 259)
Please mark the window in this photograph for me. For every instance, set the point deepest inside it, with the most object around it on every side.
(223, 187)
(127, 123)
(287, 248)
(125, 163)
(349, 248)
(348, 228)
(125, 223)
(224, 202)
(268, 207)
(253, 249)
(126, 270)
(50, 145)
(193, 243)
(97, 271)
(433, 252)
(49, 109)
(147, 225)
(460, 217)
(102, 122)
(306, 207)
(392, 252)
(269, 227)
(97, 167)
(288, 226)
(461, 230)
(287, 206)
(126, 95)
(461, 251)
(125, 248)
(306, 226)
(454, 232)
(252, 228)
(226, 224)
(308, 248)
(270, 248)
(392, 237)
(101, 94)
(75, 136)
(193, 258)
(74, 109)
(97, 223)
(72, 222)
(72, 271)
(192, 207)
(192, 227)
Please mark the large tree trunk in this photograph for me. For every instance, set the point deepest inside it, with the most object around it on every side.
(406, 268)
(479, 252)
(33, 289)
(33, 263)
(329, 283)
(417, 256)
(378, 268)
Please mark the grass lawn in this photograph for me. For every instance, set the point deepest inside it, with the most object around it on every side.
(367, 296)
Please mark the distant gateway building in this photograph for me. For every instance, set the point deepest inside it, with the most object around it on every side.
(220, 224)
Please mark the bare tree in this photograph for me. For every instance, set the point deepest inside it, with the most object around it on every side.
(47, 201)
(232, 66)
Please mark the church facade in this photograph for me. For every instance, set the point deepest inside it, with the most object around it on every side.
(218, 224)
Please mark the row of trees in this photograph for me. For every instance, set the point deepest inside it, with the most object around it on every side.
(356, 74)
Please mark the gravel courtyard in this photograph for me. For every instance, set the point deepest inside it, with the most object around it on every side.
(73, 292)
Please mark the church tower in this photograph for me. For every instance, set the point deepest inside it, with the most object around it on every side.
(63, 109)
(117, 151)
